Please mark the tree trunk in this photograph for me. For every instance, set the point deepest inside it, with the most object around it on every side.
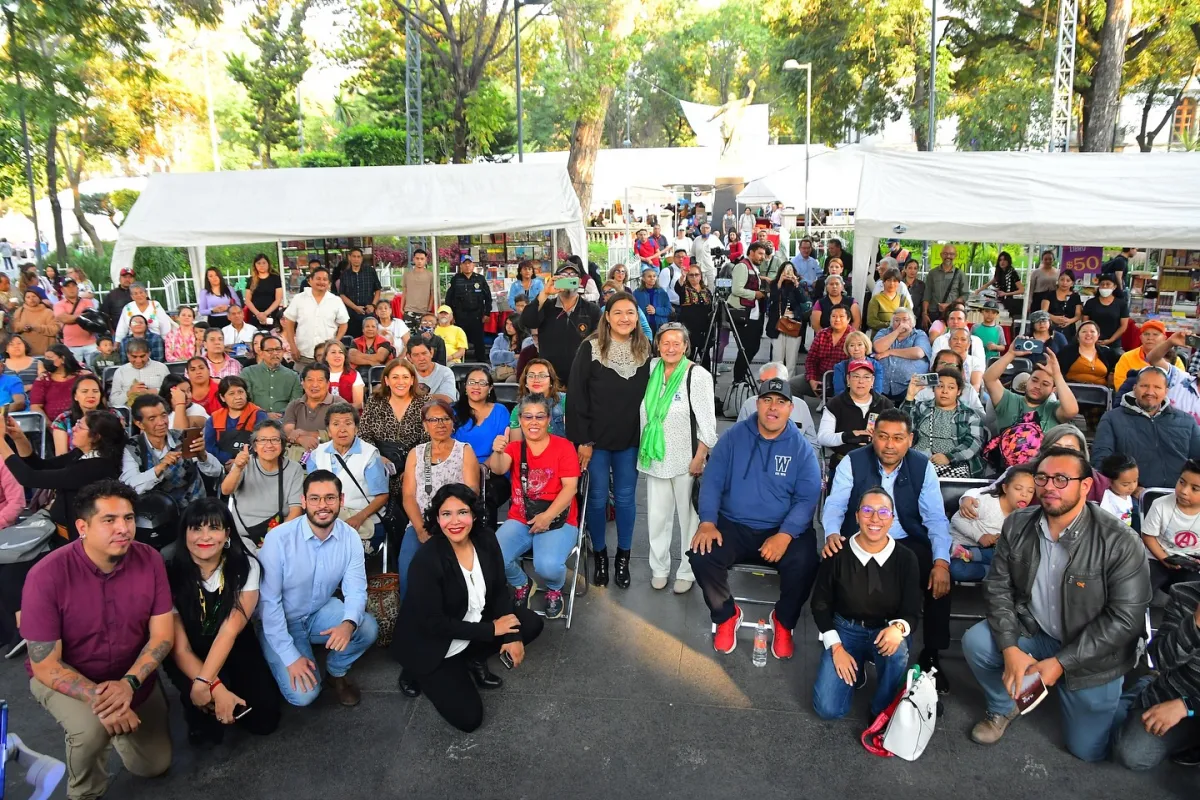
(1146, 143)
(585, 142)
(60, 239)
(919, 110)
(87, 227)
(1100, 134)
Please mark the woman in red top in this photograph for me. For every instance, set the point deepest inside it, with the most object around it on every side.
(204, 388)
(344, 380)
(544, 470)
(51, 392)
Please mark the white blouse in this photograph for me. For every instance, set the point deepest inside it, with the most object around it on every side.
(476, 599)
(677, 427)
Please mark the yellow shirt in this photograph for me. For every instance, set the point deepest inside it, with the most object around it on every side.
(1133, 360)
(455, 339)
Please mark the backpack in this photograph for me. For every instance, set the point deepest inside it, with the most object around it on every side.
(1016, 444)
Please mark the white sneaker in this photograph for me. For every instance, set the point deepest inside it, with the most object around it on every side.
(659, 582)
(682, 586)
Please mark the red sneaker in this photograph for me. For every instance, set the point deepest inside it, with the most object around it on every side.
(781, 639)
(725, 639)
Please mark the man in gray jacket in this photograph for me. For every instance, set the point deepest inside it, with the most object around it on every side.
(1067, 596)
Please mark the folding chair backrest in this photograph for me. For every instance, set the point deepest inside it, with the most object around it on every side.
(374, 376)
(177, 367)
(461, 371)
(1150, 495)
(109, 372)
(506, 394)
(827, 386)
(1089, 394)
(33, 424)
(953, 490)
(126, 415)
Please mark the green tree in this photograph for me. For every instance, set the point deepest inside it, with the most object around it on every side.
(368, 146)
(277, 30)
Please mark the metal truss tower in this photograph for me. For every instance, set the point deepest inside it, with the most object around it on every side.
(1061, 122)
(413, 122)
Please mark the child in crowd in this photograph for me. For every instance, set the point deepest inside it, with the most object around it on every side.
(975, 539)
(106, 355)
(454, 336)
(990, 332)
(1171, 530)
(1119, 498)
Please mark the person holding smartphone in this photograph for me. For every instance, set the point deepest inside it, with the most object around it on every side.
(216, 663)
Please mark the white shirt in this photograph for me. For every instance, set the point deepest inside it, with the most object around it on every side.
(214, 581)
(1119, 507)
(800, 415)
(667, 278)
(244, 336)
(978, 354)
(394, 332)
(747, 223)
(157, 319)
(194, 410)
(476, 600)
(1177, 531)
(316, 321)
(830, 638)
(701, 246)
(152, 375)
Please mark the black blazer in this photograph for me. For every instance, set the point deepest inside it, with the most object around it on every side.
(66, 475)
(432, 613)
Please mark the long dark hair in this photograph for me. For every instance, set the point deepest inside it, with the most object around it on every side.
(76, 409)
(70, 365)
(108, 435)
(222, 286)
(464, 415)
(254, 272)
(459, 491)
(184, 575)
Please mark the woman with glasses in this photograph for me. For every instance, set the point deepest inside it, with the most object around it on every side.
(430, 466)
(618, 275)
(86, 395)
(265, 487)
(539, 377)
(478, 420)
(543, 516)
(866, 600)
(947, 429)
(217, 664)
(679, 426)
(695, 309)
(608, 382)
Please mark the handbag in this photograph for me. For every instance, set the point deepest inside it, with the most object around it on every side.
(952, 470)
(905, 727)
(383, 602)
(156, 514)
(257, 533)
(788, 327)
(26, 539)
(533, 506)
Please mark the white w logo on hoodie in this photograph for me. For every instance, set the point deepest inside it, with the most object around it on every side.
(781, 465)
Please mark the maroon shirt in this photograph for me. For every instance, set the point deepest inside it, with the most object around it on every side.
(102, 619)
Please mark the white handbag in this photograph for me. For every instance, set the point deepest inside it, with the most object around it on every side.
(914, 718)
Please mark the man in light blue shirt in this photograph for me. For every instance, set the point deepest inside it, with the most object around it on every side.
(903, 351)
(808, 268)
(303, 563)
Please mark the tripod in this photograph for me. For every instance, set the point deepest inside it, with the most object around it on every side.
(711, 357)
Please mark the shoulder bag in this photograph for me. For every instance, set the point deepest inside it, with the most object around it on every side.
(257, 533)
(908, 723)
(156, 512)
(695, 441)
(534, 506)
(383, 512)
(26, 539)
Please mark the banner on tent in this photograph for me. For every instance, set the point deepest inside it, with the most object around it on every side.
(1082, 260)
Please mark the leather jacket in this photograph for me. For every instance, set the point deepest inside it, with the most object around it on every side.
(1105, 592)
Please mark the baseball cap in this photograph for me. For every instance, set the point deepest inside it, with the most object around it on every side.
(445, 310)
(1041, 316)
(991, 305)
(574, 270)
(860, 363)
(775, 386)
(127, 271)
(1020, 382)
(1154, 324)
(70, 280)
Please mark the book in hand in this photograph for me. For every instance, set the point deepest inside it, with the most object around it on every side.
(1033, 692)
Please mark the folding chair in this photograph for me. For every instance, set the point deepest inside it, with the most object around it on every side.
(177, 367)
(126, 415)
(1015, 368)
(1148, 498)
(1089, 394)
(374, 376)
(506, 394)
(107, 377)
(953, 490)
(580, 552)
(34, 425)
(461, 371)
(826, 387)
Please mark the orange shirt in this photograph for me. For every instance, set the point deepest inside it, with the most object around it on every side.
(1084, 371)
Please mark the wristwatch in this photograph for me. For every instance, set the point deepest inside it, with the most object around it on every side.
(133, 681)
(1189, 705)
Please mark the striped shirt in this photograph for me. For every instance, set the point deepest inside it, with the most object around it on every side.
(1175, 649)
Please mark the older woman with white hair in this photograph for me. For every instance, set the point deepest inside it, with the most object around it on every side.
(679, 426)
(157, 319)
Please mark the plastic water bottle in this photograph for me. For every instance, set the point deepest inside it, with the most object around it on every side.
(760, 644)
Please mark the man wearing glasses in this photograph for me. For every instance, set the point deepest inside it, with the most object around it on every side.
(918, 524)
(1067, 596)
(272, 386)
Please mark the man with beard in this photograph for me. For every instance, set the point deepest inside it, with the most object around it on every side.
(918, 523)
(303, 563)
(97, 616)
(1067, 596)
(757, 501)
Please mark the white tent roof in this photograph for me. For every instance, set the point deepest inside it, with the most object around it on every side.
(833, 178)
(1142, 199)
(213, 208)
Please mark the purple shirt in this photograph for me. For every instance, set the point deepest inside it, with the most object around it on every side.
(102, 619)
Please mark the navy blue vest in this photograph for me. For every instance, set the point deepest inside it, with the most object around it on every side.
(865, 468)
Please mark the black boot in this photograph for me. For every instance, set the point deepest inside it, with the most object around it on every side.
(928, 659)
(622, 569)
(409, 686)
(600, 576)
(484, 677)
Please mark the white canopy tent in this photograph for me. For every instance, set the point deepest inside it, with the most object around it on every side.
(1143, 199)
(833, 178)
(213, 208)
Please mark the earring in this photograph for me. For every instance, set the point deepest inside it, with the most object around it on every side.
(226, 544)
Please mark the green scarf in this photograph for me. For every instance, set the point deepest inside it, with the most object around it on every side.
(659, 394)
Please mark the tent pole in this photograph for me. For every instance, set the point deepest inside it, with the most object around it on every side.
(553, 250)
(433, 250)
(1030, 249)
(282, 271)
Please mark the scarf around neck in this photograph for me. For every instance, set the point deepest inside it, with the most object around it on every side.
(659, 394)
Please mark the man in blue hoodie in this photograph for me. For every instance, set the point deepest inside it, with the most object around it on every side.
(757, 502)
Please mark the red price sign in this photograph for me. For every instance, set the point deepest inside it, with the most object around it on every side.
(1082, 260)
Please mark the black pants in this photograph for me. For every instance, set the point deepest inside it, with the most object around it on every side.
(739, 544)
(247, 675)
(354, 326)
(937, 611)
(1164, 578)
(452, 690)
(496, 492)
(472, 326)
(749, 331)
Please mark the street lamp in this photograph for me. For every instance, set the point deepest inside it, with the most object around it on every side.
(790, 66)
(10, 11)
(517, 40)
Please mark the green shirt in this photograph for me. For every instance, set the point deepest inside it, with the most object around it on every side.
(272, 390)
(989, 334)
(1012, 407)
(944, 287)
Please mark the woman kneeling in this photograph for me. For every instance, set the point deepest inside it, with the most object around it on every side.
(458, 611)
(865, 603)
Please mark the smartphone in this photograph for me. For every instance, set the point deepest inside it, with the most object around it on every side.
(1193, 342)
(871, 422)
(1023, 345)
(566, 283)
(1184, 562)
(928, 379)
(506, 660)
(190, 435)
(240, 711)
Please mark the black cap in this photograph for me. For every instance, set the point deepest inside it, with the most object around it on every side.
(991, 305)
(568, 266)
(775, 386)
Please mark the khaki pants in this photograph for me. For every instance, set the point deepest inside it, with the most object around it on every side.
(146, 752)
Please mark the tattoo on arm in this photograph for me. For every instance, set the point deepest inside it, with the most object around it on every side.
(151, 656)
(38, 651)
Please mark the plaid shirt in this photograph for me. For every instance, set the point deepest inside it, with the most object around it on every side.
(824, 353)
(359, 286)
(968, 428)
(158, 347)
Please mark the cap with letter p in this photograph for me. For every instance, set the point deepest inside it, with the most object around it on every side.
(775, 386)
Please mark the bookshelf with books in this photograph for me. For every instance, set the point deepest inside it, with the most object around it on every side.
(497, 255)
(329, 252)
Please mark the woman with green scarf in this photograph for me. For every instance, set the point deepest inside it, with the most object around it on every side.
(672, 451)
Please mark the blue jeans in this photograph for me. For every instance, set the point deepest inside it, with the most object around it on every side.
(832, 696)
(408, 549)
(622, 465)
(1087, 714)
(307, 632)
(550, 551)
(1134, 748)
(974, 570)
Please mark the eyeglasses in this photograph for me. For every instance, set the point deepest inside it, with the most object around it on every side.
(274, 441)
(1060, 481)
(883, 512)
(537, 376)
(534, 417)
(272, 349)
(437, 420)
(478, 383)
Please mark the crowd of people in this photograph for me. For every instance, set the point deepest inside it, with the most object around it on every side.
(273, 474)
